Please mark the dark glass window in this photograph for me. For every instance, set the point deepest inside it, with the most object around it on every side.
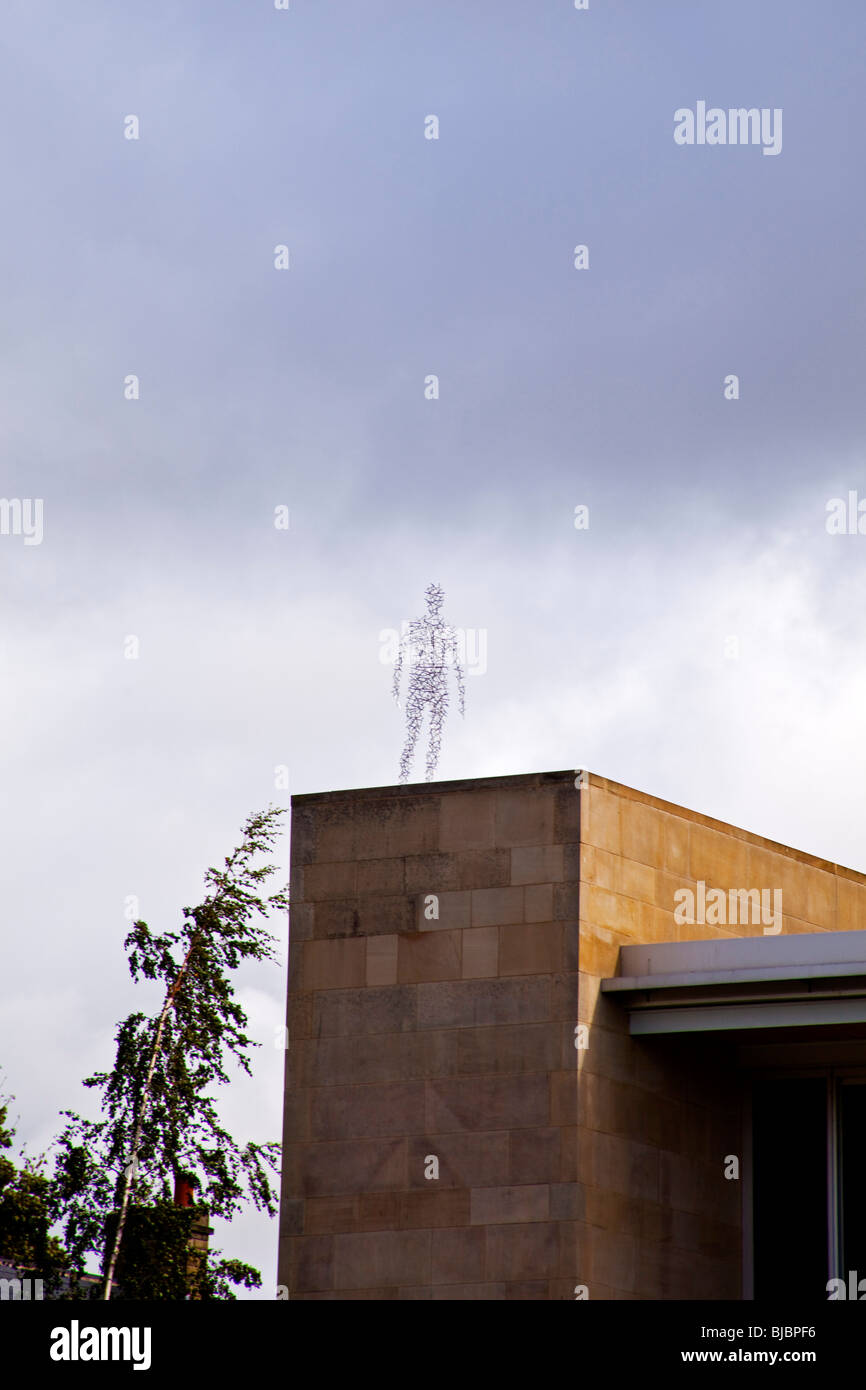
(851, 1110)
(789, 1188)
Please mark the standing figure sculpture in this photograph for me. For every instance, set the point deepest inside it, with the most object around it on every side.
(431, 645)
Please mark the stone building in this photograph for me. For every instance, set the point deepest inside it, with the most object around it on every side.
(552, 1038)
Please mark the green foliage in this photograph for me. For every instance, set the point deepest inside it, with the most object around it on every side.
(202, 1027)
(155, 1260)
(25, 1214)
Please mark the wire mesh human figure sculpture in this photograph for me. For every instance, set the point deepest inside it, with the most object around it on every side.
(430, 644)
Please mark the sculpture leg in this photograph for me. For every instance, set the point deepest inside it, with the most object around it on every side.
(438, 706)
(414, 711)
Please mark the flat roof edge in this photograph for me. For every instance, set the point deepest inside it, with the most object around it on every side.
(725, 827)
(410, 789)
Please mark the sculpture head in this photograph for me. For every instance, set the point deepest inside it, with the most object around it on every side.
(435, 597)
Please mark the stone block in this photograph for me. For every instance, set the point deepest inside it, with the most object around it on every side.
(356, 1166)
(325, 1215)
(487, 1102)
(336, 918)
(820, 897)
(536, 864)
(433, 1208)
(590, 1005)
(618, 1164)
(466, 821)
(599, 868)
(380, 878)
(720, 860)
(367, 1112)
(324, 881)
(534, 1156)
(571, 945)
(637, 880)
(333, 831)
(563, 1097)
(301, 922)
(465, 1293)
(429, 956)
(523, 817)
(350, 1296)
(570, 1168)
(480, 953)
(299, 1015)
(484, 868)
(391, 827)
(472, 1003)
(382, 960)
(296, 1116)
(538, 903)
(302, 838)
(311, 1263)
(642, 829)
(376, 1057)
(600, 820)
(381, 1258)
(530, 950)
(334, 964)
(378, 1211)
(850, 905)
(615, 1260)
(431, 873)
(492, 907)
(575, 1252)
(609, 910)
(567, 1201)
(566, 814)
(510, 1050)
(599, 948)
(381, 916)
(465, 1160)
(676, 844)
(564, 996)
(453, 911)
(345, 1013)
(292, 1217)
(611, 1054)
(518, 1252)
(566, 901)
(499, 1205)
(458, 1256)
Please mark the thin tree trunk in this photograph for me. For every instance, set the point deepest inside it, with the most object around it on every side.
(136, 1140)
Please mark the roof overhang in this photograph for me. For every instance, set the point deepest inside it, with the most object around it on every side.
(739, 984)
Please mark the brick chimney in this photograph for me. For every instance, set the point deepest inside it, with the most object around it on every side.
(184, 1186)
(184, 1189)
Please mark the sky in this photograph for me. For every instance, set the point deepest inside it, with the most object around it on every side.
(166, 649)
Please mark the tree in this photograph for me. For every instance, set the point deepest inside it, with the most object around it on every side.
(162, 1120)
(25, 1214)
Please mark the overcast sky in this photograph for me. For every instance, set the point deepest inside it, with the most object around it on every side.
(701, 640)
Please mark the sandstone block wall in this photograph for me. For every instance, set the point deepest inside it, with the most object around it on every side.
(431, 1014)
(657, 1117)
(445, 942)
